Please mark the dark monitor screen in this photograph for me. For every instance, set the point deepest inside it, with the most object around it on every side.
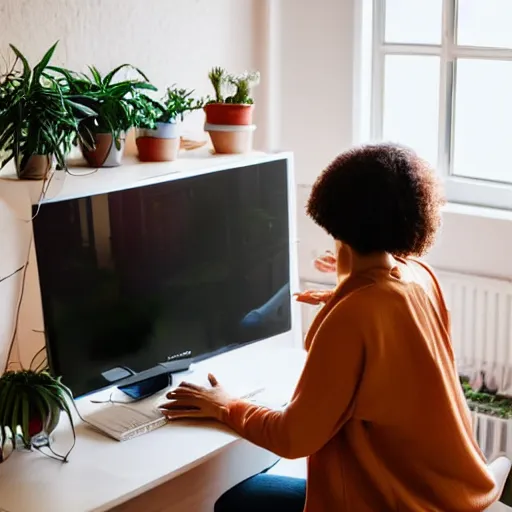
(132, 277)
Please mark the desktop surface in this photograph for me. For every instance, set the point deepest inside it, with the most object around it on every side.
(102, 473)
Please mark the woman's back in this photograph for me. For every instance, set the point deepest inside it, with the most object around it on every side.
(408, 443)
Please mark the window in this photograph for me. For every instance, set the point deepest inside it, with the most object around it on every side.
(441, 82)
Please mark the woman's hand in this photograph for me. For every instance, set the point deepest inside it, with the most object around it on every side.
(314, 297)
(189, 401)
(325, 263)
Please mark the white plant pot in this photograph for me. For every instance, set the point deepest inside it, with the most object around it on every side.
(162, 131)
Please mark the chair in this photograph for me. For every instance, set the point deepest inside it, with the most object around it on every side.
(500, 470)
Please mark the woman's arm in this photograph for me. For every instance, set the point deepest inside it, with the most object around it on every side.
(324, 397)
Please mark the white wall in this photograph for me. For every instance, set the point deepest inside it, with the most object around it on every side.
(170, 40)
(316, 83)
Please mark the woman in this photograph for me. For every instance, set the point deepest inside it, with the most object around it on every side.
(378, 409)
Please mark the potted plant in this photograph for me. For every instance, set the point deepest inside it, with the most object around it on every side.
(158, 123)
(38, 120)
(103, 137)
(484, 401)
(229, 115)
(31, 403)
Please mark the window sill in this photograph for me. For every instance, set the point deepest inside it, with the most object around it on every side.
(477, 211)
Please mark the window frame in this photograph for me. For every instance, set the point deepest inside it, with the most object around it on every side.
(471, 191)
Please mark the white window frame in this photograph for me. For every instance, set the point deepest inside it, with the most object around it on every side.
(470, 191)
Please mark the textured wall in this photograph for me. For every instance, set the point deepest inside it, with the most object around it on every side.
(171, 40)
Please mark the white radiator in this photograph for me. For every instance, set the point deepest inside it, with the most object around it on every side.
(481, 317)
(494, 435)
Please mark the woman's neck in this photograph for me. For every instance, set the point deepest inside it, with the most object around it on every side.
(349, 262)
(378, 260)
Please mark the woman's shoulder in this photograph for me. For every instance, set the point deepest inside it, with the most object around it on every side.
(426, 274)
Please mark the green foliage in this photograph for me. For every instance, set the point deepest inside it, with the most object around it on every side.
(37, 116)
(487, 403)
(147, 111)
(218, 78)
(29, 394)
(115, 102)
(235, 89)
(243, 84)
(176, 103)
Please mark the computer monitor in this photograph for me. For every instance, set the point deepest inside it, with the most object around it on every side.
(132, 277)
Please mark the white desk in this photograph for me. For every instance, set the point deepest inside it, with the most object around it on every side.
(180, 467)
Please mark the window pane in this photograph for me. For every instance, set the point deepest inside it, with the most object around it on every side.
(483, 114)
(414, 21)
(411, 103)
(485, 23)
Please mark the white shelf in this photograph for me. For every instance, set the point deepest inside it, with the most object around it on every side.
(83, 181)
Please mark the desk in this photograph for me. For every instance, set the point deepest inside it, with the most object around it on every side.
(182, 467)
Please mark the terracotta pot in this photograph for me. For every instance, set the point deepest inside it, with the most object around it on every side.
(159, 145)
(37, 167)
(152, 149)
(231, 139)
(228, 114)
(105, 152)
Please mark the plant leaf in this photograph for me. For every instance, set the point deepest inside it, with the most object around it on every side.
(39, 68)
(96, 75)
(20, 56)
(25, 418)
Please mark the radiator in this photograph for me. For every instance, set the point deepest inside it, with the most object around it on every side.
(494, 435)
(481, 318)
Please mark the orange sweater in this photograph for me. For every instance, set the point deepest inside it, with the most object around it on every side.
(378, 409)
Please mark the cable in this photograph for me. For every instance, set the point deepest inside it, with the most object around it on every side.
(12, 274)
(18, 310)
(24, 268)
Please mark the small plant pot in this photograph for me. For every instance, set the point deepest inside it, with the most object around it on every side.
(228, 114)
(36, 167)
(159, 145)
(231, 139)
(106, 153)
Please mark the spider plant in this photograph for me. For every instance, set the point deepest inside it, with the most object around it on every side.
(37, 117)
(31, 402)
(113, 101)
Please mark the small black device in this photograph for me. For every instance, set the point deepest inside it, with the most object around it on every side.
(144, 384)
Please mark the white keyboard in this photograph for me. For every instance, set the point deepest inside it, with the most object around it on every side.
(126, 421)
